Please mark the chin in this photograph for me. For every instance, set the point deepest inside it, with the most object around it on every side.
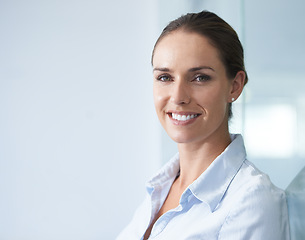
(181, 138)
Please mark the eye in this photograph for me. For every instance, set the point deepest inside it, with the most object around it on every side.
(202, 78)
(164, 78)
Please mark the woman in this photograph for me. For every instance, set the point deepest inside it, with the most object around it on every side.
(209, 190)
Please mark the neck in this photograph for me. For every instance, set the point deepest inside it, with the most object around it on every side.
(195, 158)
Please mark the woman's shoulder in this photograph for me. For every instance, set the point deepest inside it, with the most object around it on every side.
(254, 204)
(254, 185)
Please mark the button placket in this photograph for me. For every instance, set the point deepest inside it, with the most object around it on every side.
(163, 221)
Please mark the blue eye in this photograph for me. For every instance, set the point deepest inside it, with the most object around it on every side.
(202, 78)
(164, 78)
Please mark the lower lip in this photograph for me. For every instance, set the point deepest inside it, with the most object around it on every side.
(182, 123)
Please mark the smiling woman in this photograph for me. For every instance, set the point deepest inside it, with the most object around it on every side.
(209, 190)
(190, 79)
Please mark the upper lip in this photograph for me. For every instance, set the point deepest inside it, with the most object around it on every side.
(183, 112)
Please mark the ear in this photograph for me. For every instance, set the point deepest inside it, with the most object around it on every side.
(237, 86)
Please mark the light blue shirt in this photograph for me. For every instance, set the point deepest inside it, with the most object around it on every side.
(231, 200)
(296, 206)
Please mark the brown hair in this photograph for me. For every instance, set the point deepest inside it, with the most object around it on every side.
(221, 35)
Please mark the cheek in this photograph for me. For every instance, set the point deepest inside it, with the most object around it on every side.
(159, 97)
(214, 101)
(219, 106)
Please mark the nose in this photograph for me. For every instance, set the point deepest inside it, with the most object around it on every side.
(180, 93)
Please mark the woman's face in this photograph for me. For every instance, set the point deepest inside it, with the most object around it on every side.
(191, 88)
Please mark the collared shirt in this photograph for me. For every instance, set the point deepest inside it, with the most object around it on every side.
(295, 193)
(231, 200)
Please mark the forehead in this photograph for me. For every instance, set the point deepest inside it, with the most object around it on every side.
(187, 49)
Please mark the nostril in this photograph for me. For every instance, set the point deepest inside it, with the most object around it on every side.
(179, 93)
(185, 99)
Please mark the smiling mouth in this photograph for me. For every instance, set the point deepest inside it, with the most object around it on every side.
(183, 117)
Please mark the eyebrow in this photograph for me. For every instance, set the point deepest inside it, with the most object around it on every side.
(161, 69)
(200, 68)
(190, 70)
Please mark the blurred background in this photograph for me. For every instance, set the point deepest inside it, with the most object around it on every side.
(78, 133)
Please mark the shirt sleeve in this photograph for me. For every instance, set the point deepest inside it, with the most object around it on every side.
(260, 214)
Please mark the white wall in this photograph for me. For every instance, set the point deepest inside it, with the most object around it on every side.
(78, 133)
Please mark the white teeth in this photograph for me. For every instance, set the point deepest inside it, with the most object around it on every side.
(183, 117)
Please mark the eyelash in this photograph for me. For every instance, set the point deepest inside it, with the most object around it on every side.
(203, 78)
(159, 78)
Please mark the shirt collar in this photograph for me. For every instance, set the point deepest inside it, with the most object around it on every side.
(166, 174)
(213, 183)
